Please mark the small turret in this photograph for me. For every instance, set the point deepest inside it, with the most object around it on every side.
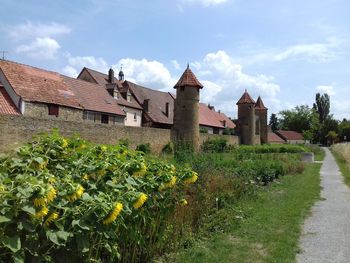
(246, 119)
(261, 112)
(185, 130)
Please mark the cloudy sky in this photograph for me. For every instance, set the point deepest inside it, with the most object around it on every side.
(285, 50)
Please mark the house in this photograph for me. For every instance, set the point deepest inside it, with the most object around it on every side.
(273, 138)
(7, 107)
(45, 94)
(119, 91)
(213, 122)
(157, 107)
(291, 137)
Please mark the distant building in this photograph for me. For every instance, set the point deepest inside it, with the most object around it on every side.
(45, 94)
(291, 137)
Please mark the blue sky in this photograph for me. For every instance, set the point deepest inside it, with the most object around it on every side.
(284, 50)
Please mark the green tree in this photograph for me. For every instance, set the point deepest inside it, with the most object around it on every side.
(344, 130)
(273, 122)
(331, 136)
(298, 119)
(322, 106)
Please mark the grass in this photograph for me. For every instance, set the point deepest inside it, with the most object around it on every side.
(342, 157)
(263, 229)
(319, 155)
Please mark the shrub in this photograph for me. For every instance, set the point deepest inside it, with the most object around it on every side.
(203, 130)
(168, 148)
(144, 147)
(124, 142)
(217, 145)
(64, 200)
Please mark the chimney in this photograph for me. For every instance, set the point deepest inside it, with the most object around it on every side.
(111, 75)
(167, 109)
(146, 105)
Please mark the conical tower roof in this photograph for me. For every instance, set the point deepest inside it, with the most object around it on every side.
(245, 99)
(188, 79)
(259, 105)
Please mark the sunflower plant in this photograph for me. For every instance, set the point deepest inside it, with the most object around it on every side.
(68, 200)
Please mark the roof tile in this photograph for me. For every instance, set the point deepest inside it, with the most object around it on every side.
(259, 105)
(6, 104)
(245, 99)
(188, 79)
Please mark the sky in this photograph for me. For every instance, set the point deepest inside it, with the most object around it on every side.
(285, 51)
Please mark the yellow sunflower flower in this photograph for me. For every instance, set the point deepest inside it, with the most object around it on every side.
(77, 194)
(51, 194)
(140, 201)
(40, 201)
(52, 217)
(142, 170)
(114, 214)
(42, 212)
(192, 179)
(86, 177)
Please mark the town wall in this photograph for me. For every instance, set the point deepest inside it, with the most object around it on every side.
(16, 130)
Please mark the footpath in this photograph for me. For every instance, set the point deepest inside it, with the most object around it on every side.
(326, 233)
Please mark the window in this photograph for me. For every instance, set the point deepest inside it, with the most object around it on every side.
(128, 97)
(53, 109)
(135, 116)
(104, 118)
(118, 120)
(89, 115)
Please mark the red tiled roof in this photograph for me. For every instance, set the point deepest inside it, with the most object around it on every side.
(6, 104)
(259, 105)
(38, 85)
(102, 79)
(290, 135)
(157, 101)
(188, 79)
(245, 99)
(92, 97)
(212, 118)
(274, 138)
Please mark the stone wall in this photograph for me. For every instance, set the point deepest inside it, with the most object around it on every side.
(16, 130)
(40, 110)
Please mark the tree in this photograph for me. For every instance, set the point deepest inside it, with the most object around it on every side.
(329, 124)
(273, 122)
(344, 130)
(322, 106)
(298, 119)
(331, 136)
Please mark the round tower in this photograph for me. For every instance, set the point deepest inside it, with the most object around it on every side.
(185, 131)
(246, 119)
(261, 112)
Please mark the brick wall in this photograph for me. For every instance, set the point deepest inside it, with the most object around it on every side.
(16, 130)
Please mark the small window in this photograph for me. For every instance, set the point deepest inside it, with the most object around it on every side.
(128, 97)
(53, 109)
(104, 118)
(135, 116)
(118, 120)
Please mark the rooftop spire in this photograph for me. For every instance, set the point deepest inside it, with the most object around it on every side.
(245, 99)
(188, 79)
(259, 104)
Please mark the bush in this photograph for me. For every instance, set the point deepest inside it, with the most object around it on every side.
(144, 147)
(168, 148)
(65, 200)
(217, 145)
(228, 131)
(203, 130)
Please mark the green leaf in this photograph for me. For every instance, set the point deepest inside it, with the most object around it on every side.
(39, 160)
(4, 219)
(58, 237)
(13, 243)
(29, 209)
(63, 235)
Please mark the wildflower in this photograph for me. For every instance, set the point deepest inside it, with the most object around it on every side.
(42, 212)
(141, 171)
(140, 201)
(114, 214)
(192, 179)
(86, 177)
(64, 143)
(173, 168)
(42, 165)
(51, 194)
(77, 194)
(183, 202)
(52, 217)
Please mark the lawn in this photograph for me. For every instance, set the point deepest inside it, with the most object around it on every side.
(263, 229)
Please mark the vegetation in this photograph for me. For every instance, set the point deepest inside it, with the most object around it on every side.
(261, 229)
(217, 145)
(316, 123)
(69, 201)
(341, 153)
(144, 147)
(168, 148)
(65, 200)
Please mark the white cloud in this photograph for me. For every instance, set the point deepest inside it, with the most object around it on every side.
(76, 64)
(40, 48)
(205, 3)
(151, 74)
(175, 64)
(326, 89)
(34, 30)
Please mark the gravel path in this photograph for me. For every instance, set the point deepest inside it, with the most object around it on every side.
(326, 233)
